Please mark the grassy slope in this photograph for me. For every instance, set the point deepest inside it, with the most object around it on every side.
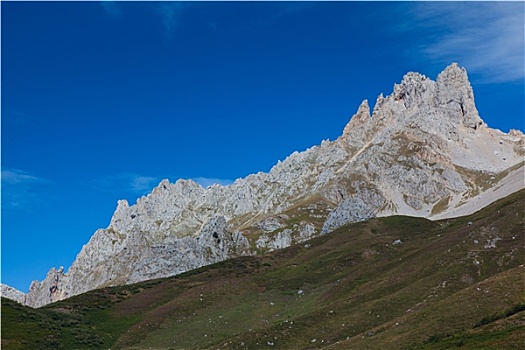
(351, 289)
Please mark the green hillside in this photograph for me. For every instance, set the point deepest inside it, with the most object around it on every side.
(388, 283)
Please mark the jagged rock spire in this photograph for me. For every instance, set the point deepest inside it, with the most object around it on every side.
(439, 107)
(454, 91)
(361, 117)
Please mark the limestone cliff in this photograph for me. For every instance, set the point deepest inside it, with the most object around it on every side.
(423, 151)
(12, 293)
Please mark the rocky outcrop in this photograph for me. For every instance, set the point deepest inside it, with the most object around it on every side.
(106, 260)
(51, 289)
(12, 293)
(423, 151)
(213, 244)
(348, 211)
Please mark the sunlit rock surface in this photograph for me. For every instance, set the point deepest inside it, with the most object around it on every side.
(423, 151)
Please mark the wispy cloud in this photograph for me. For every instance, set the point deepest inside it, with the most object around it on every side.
(111, 8)
(485, 37)
(20, 189)
(125, 183)
(208, 181)
(16, 177)
(141, 184)
(290, 8)
(129, 183)
(16, 118)
(170, 13)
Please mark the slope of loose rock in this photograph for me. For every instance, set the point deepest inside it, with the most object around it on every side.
(512, 182)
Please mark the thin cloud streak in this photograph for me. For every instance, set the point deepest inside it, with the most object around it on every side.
(16, 118)
(487, 38)
(125, 183)
(21, 189)
(111, 8)
(209, 181)
(16, 176)
(170, 13)
(292, 8)
(141, 184)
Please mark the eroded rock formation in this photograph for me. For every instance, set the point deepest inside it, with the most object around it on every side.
(423, 151)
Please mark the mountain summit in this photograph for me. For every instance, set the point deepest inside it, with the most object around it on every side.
(423, 151)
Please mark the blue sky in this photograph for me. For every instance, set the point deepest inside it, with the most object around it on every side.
(102, 100)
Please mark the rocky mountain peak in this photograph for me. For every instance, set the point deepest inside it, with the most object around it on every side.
(423, 152)
(360, 118)
(414, 90)
(516, 133)
(455, 74)
(455, 93)
(442, 108)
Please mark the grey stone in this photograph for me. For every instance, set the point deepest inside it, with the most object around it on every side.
(12, 293)
(423, 151)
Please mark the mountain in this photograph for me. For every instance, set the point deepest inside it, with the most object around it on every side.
(423, 151)
(394, 282)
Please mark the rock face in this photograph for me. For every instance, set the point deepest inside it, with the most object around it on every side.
(423, 151)
(350, 210)
(12, 293)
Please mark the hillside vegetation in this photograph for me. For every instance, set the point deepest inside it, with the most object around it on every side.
(387, 283)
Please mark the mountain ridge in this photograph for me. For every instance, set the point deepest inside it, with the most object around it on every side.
(386, 283)
(423, 151)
